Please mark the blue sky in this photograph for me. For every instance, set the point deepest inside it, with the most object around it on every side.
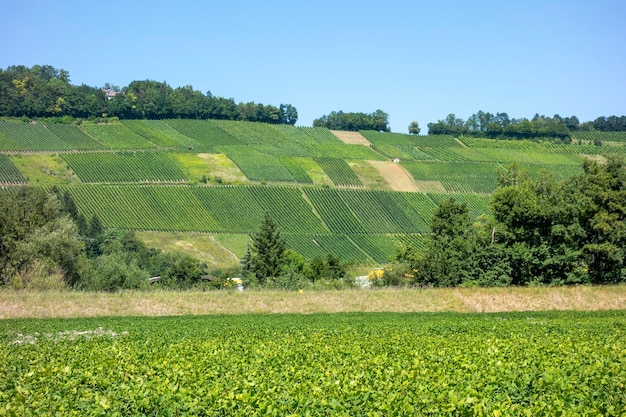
(415, 60)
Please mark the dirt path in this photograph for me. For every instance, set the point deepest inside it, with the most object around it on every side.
(395, 175)
(351, 138)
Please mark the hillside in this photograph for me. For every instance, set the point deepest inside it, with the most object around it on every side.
(328, 191)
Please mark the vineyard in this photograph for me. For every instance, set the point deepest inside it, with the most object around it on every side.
(124, 167)
(457, 177)
(256, 165)
(9, 174)
(339, 172)
(221, 176)
(601, 136)
(535, 364)
(116, 136)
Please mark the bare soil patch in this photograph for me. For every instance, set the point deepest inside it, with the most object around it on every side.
(351, 138)
(395, 175)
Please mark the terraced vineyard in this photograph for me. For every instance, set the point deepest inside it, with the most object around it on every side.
(116, 136)
(457, 177)
(294, 166)
(124, 167)
(157, 132)
(30, 137)
(256, 165)
(339, 171)
(76, 138)
(300, 175)
(601, 136)
(207, 134)
(9, 174)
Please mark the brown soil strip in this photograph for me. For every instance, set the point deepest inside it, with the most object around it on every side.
(395, 175)
(351, 138)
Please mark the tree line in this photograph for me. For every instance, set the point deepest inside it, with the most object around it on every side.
(542, 232)
(501, 126)
(45, 243)
(43, 91)
(339, 120)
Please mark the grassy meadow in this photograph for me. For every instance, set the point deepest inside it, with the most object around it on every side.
(68, 304)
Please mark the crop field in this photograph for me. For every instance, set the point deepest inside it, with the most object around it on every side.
(154, 135)
(208, 209)
(124, 167)
(602, 136)
(311, 246)
(162, 134)
(116, 136)
(207, 134)
(343, 151)
(534, 364)
(318, 134)
(76, 138)
(402, 152)
(30, 137)
(144, 208)
(240, 209)
(379, 248)
(9, 174)
(477, 204)
(339, 172)
(421, 141)
(507, 156)
(257, 166)
(445, 154)
(295, 168)
(457, 177)
(252, 133)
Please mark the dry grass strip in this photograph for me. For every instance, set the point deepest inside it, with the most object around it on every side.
(396, 176)
(16, 304)
(351, 138)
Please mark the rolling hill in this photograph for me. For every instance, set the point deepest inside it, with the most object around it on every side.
(356, 195)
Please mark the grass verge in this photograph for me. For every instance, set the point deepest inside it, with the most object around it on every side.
(16, 304)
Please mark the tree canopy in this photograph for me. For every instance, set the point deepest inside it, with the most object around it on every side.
(44, 91)
(500, 125)
(542, 232)
(338, 120)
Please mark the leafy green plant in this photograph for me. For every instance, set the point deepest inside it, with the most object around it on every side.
(539, 364)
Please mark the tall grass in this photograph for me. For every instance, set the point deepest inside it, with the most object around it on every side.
(47, 304)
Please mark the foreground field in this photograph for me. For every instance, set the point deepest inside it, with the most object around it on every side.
(174, 303)
(533, 364)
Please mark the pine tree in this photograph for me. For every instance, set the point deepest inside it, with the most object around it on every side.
(268, 251)
(246, 264)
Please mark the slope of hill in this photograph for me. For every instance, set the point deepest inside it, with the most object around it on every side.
(219, 178)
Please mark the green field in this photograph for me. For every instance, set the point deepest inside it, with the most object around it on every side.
(529, 364)
(116, 136)
(124, 167)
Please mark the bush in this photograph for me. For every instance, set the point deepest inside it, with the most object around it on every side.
(111, 273)
(38, 275)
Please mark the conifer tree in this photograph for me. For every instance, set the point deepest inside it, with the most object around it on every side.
(268, 251)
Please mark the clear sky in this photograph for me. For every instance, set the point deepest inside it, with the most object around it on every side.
(415, 60)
